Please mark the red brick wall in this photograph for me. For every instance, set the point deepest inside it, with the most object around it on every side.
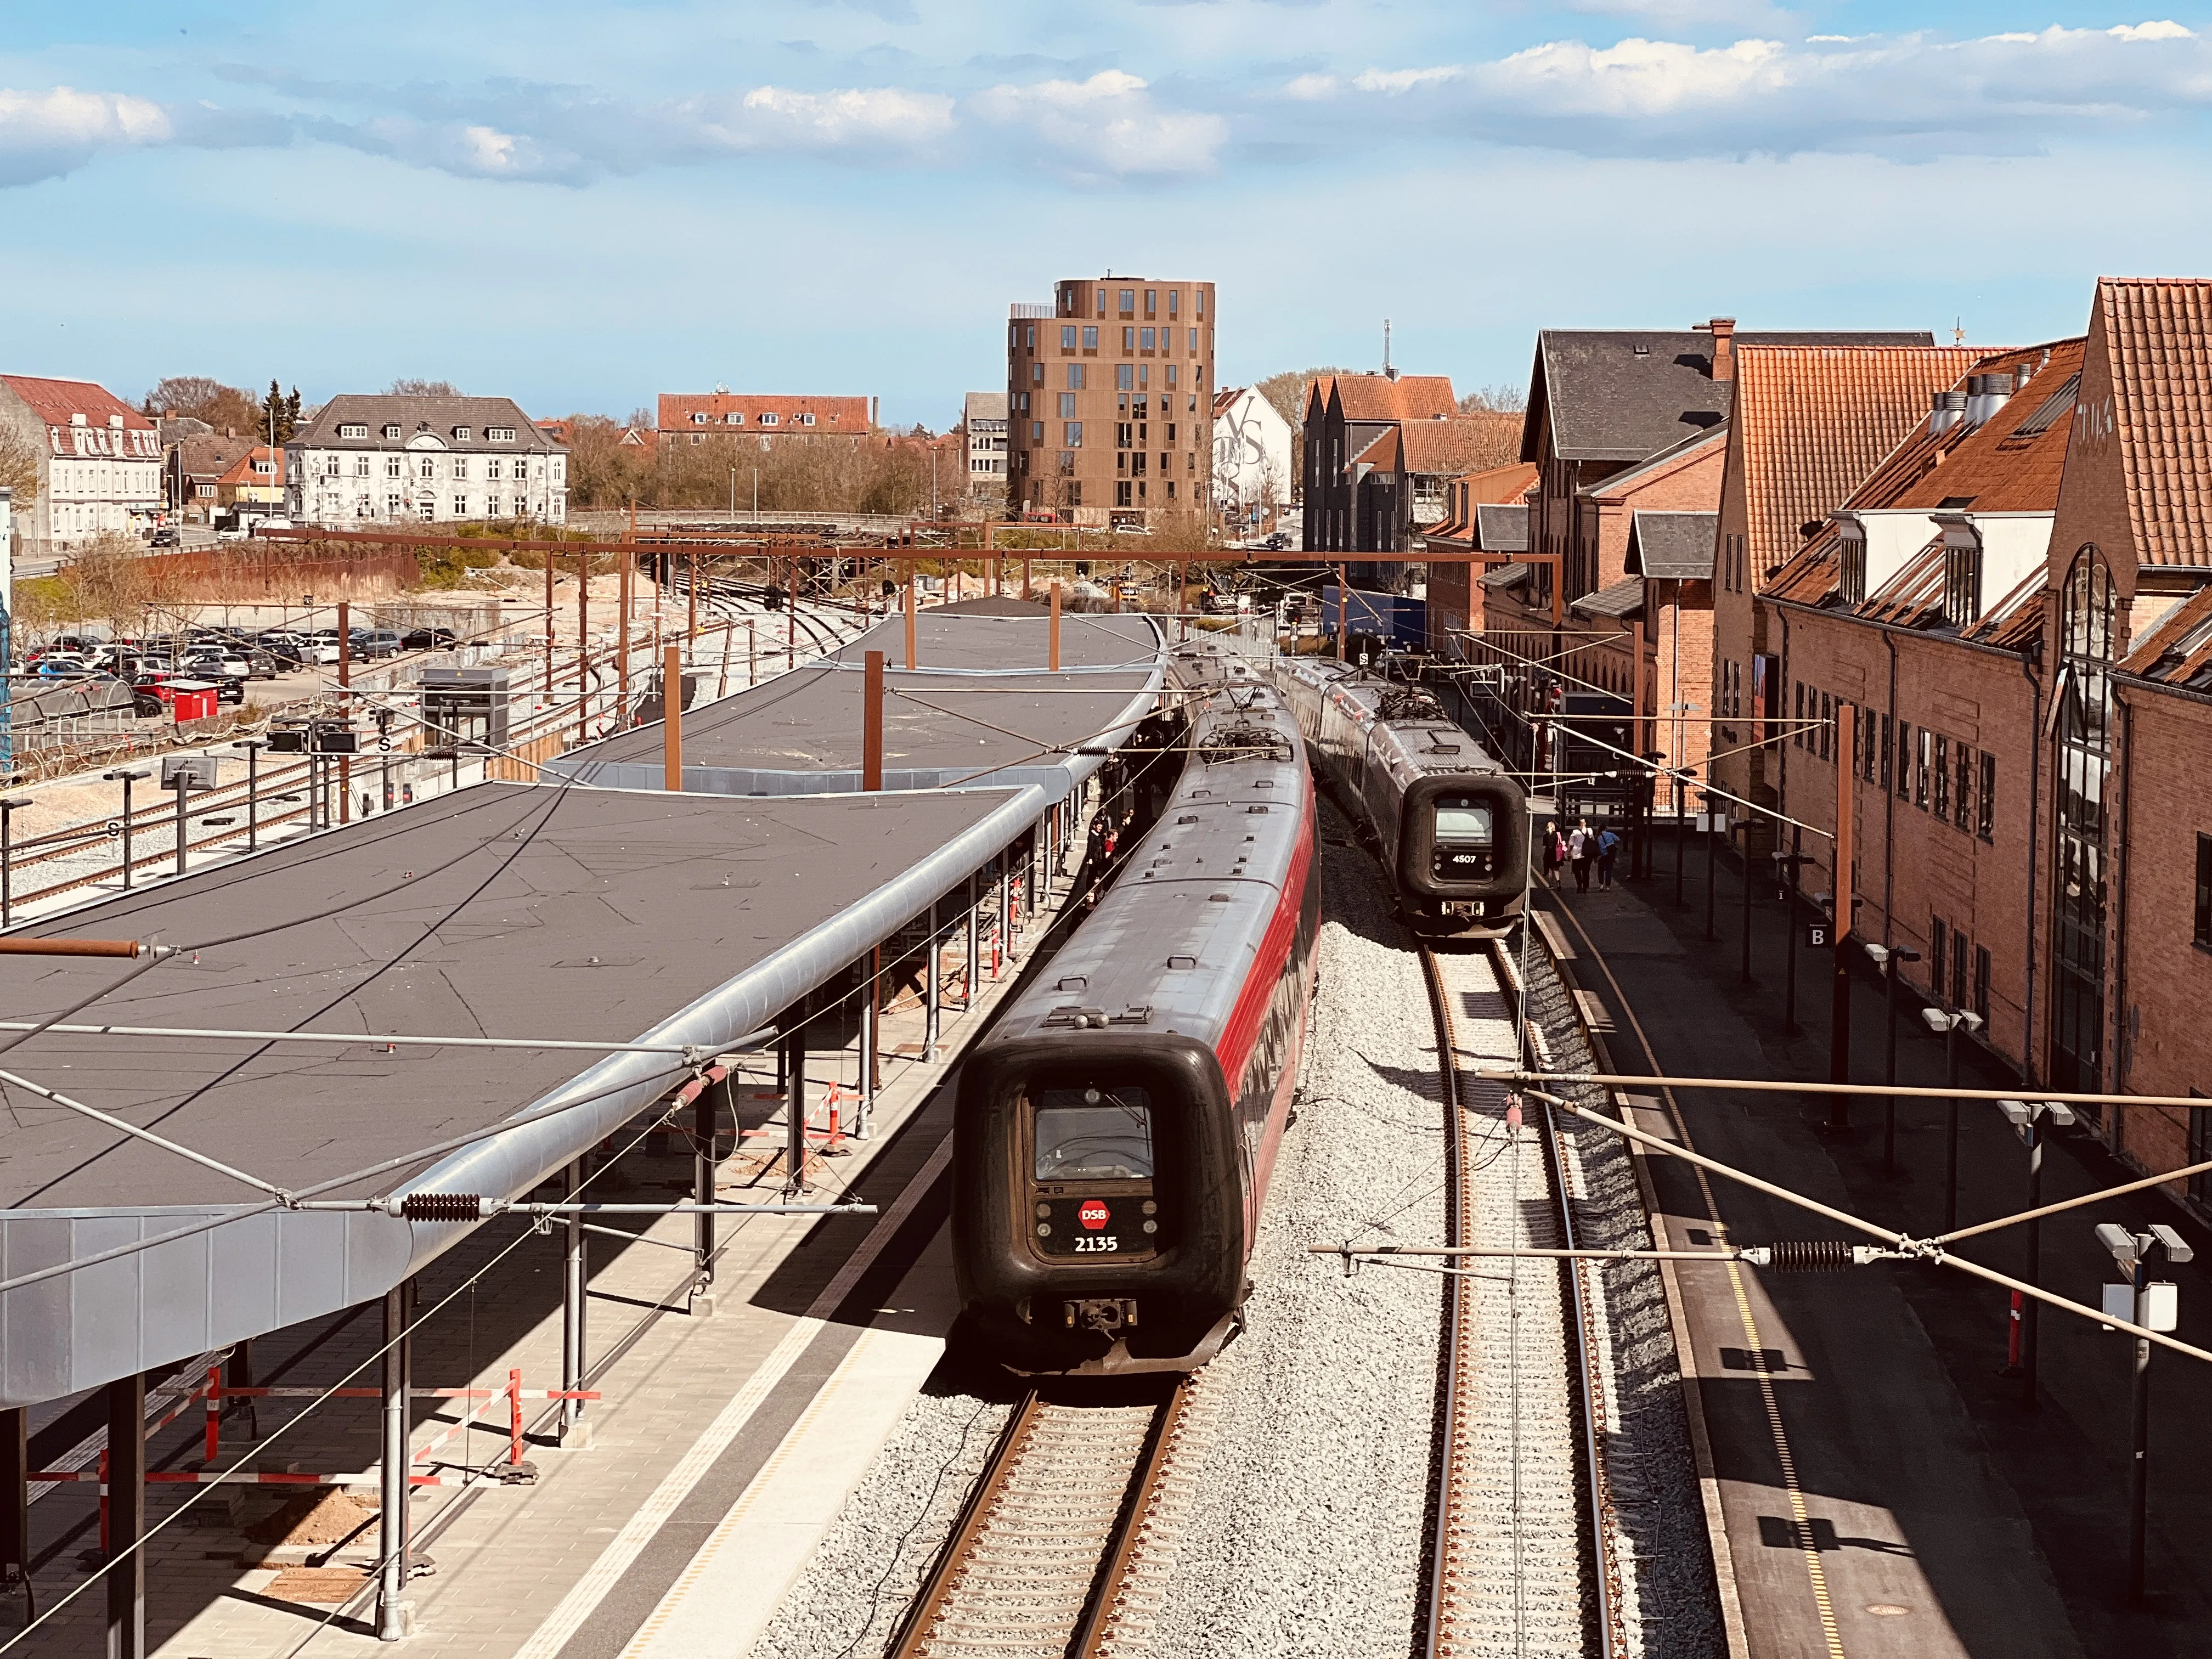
(2161, 979)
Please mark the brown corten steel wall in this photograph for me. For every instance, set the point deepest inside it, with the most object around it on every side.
(1914, 867)
(2163, 979)
(1175, 437)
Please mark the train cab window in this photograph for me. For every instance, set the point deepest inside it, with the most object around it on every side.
(1464, 821)
(1466, 846)
(1089, 1135)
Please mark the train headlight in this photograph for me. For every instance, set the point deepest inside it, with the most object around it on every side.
(1152, 1226)
(1044, 1230)
(1151, 1208)
(1044, 1212)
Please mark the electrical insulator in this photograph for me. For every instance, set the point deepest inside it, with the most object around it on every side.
(442, 1206)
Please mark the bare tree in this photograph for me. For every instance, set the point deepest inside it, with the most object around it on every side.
(19, 467)
(407, 388)
(1495, 399)
(202, 397)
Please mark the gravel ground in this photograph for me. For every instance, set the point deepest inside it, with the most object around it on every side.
(1671, 1609)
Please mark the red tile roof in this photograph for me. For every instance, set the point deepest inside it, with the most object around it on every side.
(2158, 333)
(2012, 463)
(1452, 445)
(53, 403)
(1384, 454)
(1813, 420)
(1385, 398)
(241, 471)
(2178, 650)
(839, 415)
(1493, 487)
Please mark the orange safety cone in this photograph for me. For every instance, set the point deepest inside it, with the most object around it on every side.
(835, 1146)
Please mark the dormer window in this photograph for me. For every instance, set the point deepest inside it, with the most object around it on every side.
(806, 420)
(699, 417)
(500, 434)
(392, 433)
(733, 418)
(1851, 576)
(768, 420)
(353, 430)
(463, 434)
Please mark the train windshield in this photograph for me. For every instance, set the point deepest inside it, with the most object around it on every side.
(1464, 820)
(1094, 1135)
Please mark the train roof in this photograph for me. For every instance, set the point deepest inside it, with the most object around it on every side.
(1411, 723)
(1169, 948)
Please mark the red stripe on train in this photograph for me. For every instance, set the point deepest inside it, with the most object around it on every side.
(1243, 1028)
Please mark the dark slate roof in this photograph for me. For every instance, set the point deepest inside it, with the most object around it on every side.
(1673, 546)
(1619, 394)
(1505, 576)
(1619, 599)
(438, 416)
(1501, 529)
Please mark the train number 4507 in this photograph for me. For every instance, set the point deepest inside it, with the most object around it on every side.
(1094, 1244)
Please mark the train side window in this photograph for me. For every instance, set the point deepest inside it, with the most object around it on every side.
(1093, 1134)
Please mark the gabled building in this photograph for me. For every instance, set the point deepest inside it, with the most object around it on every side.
(983, 422)
(1905, 635)
(100, 461)
(1810, 423)
(195, 459)
(1251, 463)
(695, 416)
(1485, 513)
(252, 486)
(1357, 490)
(371, 459)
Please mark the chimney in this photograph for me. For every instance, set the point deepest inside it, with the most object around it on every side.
(1723, 332)
(1947, 410)
(1985, 395)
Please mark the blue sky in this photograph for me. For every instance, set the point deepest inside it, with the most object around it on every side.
(581, 205)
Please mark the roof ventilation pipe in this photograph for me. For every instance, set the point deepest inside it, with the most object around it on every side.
(1985, 395)
(1947, 410)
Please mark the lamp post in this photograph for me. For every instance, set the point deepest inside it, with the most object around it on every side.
(1744, 824)
(126, 778)
(1712, 864)
(1950, 1024)
(1646, 864)
(1681, 776)
(2027, 1118)
(2154, 1306)
(1889, 958)
(1786, 866)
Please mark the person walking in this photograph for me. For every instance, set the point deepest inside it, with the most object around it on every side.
(1608, 848)
(1554, 850)
(1580, 845)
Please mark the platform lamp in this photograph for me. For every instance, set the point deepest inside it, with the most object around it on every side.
(1786, 866)
(2154, 1306)
(2028, 1119)
(1949, 1025)
(1890, 958)
(126, 778)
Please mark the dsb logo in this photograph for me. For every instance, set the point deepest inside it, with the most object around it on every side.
(1093, 1213)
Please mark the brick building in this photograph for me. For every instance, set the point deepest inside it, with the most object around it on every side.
(1381, 452)
(1110, 396)
(1486, 512)
(1917, 605)
(100, 461)
(695, 416)
(1810, 423)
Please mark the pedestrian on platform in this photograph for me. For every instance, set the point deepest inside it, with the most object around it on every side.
(1581, 845)
(1608, 848)
(1555, 849)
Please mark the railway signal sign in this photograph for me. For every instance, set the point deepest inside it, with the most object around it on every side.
(1817, 936)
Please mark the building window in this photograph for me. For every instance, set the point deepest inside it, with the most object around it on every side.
(1171, 377)
(391, 433)
(1923, 759)
(1121, 488)
(1962, 586)
(2084, 697)
(1128, 340)
(492, 470)
(1067, 405)
(808, 420)
(361, 466)
(1985, 804)
(1074, 436)
(428, 468)
(699, 417)
(770, 420)
(1067, 337)
(1128, 297)
(2204, 890)
(394, 502)
(1145, 339)
(1037, 373)
(1029, 336)
(1125, 377)
(1937, 936)
(461, 466)
(1797, 716)
(1089, 339)
(1903, 760)
(1036, 432)
(393, 466)
(1174, 294)
(1942, 780)
(733, 418)
(1079, 379)
(505, 434)
(1193, 343)
(462, 433)
(1958, 969)
(1828, 726)
(1850, 582)
(1962, 801)
(353, 431)
(1982, 984)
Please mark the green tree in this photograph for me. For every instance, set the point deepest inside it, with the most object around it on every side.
(279, 417)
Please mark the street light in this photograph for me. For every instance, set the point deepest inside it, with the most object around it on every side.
(2027, 1118)
(1948, 1024)
(1786, 866)
(2155, 1307)
(126, 778)
(1889, 958)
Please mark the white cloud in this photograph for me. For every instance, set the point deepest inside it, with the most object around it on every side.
(1640, 77)
(1404, 80)
(1312, 87)
(44, 133)
(2166, 29)
(809, 119)
(1107, 127)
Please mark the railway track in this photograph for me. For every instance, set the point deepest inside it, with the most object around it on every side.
(1524, 1551)
(1053, 1556)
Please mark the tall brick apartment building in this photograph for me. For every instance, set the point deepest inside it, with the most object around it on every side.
(1109, 402)
(2014, 610)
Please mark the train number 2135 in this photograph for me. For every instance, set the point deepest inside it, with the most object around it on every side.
(1095, 1243)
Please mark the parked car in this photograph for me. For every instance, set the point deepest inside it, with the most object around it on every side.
(318, 648)
(164, 683)
(430, 639)
(377, 642)
(63, 665)
(166, 535)
(215, 662)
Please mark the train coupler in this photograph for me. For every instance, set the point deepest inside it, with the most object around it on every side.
(1107, 1314)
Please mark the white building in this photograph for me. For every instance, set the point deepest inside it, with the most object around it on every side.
(438, 460)
(1251, 461)
(100, 461)
(985, 417)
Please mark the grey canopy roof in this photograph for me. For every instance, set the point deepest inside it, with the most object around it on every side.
(1673, 546)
